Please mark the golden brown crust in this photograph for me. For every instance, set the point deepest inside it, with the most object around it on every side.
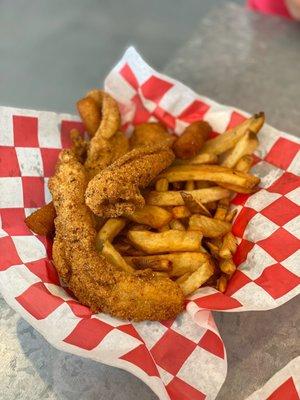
(149, 133)
(103, 152)
(115, 190)
(41, 221)
(94, 281)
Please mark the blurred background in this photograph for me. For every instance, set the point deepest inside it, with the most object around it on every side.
(51, 52)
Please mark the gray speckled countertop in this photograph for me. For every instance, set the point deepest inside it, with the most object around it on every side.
(237, 58)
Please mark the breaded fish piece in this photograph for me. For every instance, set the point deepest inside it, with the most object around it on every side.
(141, 295)
(149, 133)
(115, 190)
(103, 152)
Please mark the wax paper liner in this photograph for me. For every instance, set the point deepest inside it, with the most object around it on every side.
(181, 359)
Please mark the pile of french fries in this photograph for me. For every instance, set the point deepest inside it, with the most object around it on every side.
(184, 230)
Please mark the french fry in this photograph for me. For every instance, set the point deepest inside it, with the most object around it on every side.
(237, 188)
(173, 198)
(203, 184)
(227, 266)
(196, 207)
(183, 262)
(231, 215)
(190, 185)
(197, 278)
(192, 139)
(140, 227)
(109, 231)
(212, 206)
(125, 248)
(164, 228)
(181, 212)
(115, 257)
(203, 158)
(245, 146)
(222, 283)
(169, 241)
(227, 140)
(213, 173)
(162, 185)
(183, 278)
(244, 164)
(41, 221)
(156, 264)
(177, 225)
(210, 227)
(228, 246)
(90, 114)
(214, 249)
(222, 209)
(154, 216)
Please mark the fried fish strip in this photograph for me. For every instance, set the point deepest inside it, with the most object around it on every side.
(140, 295)
(116, 190)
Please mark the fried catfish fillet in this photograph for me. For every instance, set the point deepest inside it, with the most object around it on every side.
(142, 295)
(115, 190)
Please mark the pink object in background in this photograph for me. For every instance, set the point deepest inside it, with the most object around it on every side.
(277, 7)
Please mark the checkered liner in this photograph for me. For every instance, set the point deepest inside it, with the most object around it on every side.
(285, 384)
(168, 356)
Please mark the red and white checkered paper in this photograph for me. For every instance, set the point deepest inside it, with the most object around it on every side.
(182, 359)
(284, 385)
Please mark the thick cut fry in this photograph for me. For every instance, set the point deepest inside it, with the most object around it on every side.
(227, 266)
(164, 228)
(222, 283)
(125, 248)
(245, 146)
(90, 114)
(237, 188)
(185, 262)
(140, 227)
(173, 198)
(183, 278)
(161, 264)
(196, 207)
(244, 164)
(162, 185)
(150, 133)
(41, 221)
(203, 184)
(181, 212)
(115, 258)
(227, 140)
(177, 225)
(210, 227)
(169, 241)
(192, 139)
(109, 231)
(228, 247)
(190, 185)
(154, 216)
(222, 209)
(110, 114)
(214, 249)
(231, 215)
(213, 173)
(203, 158)
(197, 278)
